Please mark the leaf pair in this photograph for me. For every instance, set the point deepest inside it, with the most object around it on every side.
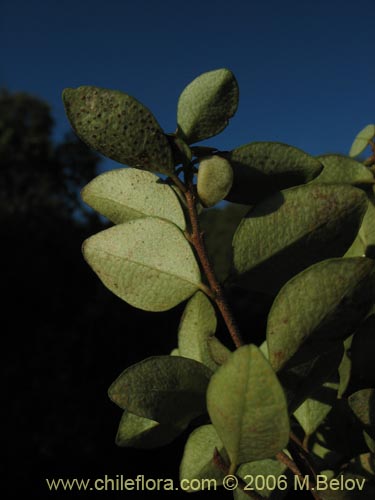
(145, 259)
(121, 128)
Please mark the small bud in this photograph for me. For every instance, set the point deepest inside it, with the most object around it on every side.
(215, 178)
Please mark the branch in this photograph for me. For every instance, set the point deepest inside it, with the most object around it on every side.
(197, 240)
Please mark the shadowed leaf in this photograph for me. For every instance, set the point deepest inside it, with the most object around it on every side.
(167, 389)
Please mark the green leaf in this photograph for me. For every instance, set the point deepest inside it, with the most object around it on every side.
(362, 404)
(319, 308)
(119, 127)
(167, 389)
(206, 104)
(340, 169)
(247, 407)
(263, 472)
(127, 193)
(362, 140)
(261, 168)
(218, 351)
(197, 329)
(146, 262)
(294, 229)
(143, 433)
(215, 177)
(197, 461)
(314, 410)
(362, 354)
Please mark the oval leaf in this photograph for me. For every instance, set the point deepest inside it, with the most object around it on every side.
(260, 168)
(314, 410)
(292, 230)
(197, 329)
(343, 170)
(127, 193)
(167, 389)
(119, 127)
(318, 308)
(146, 262)
(197, 461)
(206, 104)
(362, 140)
(247, 407)
(143, 433)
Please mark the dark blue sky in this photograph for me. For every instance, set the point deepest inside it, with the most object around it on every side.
(305, 68)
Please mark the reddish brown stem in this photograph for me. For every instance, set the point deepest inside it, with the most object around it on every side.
(197, 240)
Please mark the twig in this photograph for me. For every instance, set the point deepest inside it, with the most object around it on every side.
(197, 240)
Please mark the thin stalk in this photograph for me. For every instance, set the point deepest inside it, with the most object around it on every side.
(197, 240)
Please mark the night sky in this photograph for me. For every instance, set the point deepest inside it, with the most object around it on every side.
(305, 68)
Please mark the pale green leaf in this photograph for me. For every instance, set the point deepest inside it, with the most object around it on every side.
(294, 229)
(206, 105)
(174, 352)
(247, 407)
(261, 168)
(118, 126)
(260, 474)
(197, 460)
(218, 350)
(146, 262)
(215, 177)
(143, 433)
(127, 193)
(340, 169)
(357, 248)
(313, 411)
(318, 308)
(196, 330)
(362, 140)
(167, 389)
